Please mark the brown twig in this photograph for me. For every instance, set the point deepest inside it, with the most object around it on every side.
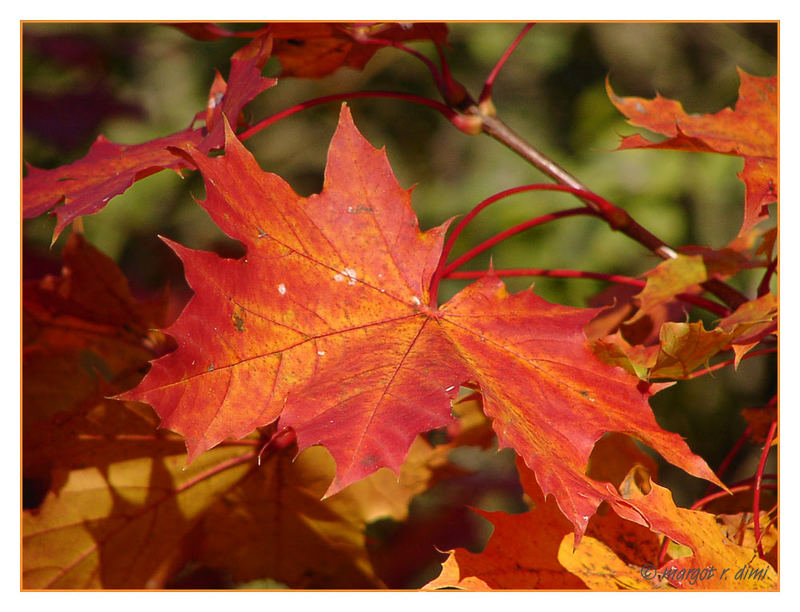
(616, 217)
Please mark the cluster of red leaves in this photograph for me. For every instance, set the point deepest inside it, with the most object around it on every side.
(325, 334)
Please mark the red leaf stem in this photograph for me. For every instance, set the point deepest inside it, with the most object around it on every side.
(437, 275)
(437, 76)
(213, 471)
(154, 437)
(613, 278)
(763, 286)
(704, 501)
(454, 93)
(758, 486)
(266, 122)
(752, 478)
(722, 364)
(458, 262)
(486, 93)
(726, 462)
(279, 440)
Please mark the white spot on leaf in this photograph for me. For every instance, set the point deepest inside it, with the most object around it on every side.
(348, 273)
(214, 100)
(282, 289)
(416, 301)
(320, 353)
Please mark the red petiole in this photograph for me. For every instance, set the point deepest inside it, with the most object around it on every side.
(459, 261)
(704, 501)
(758, 486)
(555, 273)
(486, 93)
(352, 95)
(763, 287)
(598, 202)
(437, 77)
(723, 466)
(613, 278)
(280, 440)
(728, 362)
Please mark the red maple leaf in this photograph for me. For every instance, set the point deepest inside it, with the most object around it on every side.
(314, 50)
(85, 187)
(750, 130)
(325, 324)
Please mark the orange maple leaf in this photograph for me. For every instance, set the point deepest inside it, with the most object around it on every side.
(325, 324)
(749, 130)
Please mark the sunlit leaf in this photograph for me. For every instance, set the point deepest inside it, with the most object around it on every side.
(325, 324)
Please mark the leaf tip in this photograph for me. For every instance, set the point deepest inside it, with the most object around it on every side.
(175, 246)
(230, 135)
(345, 115)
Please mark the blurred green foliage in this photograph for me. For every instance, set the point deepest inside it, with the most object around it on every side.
(551, 91)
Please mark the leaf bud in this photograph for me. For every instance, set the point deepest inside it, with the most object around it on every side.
(469, 124)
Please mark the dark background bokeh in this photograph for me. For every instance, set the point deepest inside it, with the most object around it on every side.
(135, 82)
